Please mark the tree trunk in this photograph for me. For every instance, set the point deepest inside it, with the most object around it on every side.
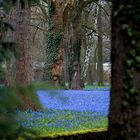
(20, 18)
(68, 48)
(73, 38)
(76, 66)
(83, 58)
(124, 117)
(56, 13)
(21, 21)
(72, 13)
(94, 65)
(90, 72)
(100, 49)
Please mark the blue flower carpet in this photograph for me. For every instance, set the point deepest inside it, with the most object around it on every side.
(68, 111)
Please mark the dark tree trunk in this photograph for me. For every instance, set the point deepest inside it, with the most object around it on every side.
(73, 42)
(124, 117)
(90, 74)
(100, 49)
(67, 53)
(72, 14)
(56, 17)
(92, 70)
(94, 65)
(76, 46)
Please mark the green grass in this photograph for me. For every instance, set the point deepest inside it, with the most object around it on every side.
(95, 86)
(63, 122)
(46, 85)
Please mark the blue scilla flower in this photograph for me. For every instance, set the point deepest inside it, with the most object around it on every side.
(78, 107)
(73, 100)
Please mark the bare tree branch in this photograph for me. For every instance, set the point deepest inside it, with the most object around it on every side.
(42, 29)
(90, 28)
(102, 8)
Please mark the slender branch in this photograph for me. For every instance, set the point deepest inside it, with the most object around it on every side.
(102, 8)
(90, 28)
(42, 29)
(86, 2)
(39, 19)
(93, 31)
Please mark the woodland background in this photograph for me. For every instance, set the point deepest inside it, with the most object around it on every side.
(67, 42)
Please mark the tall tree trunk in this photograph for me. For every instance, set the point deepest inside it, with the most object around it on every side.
(76, 65)
(124, 117)
(83, 58)
(68, 49)
(85, 48)
(92, 70)
(20, 18)
(94, 65)
(73, 12)
(90, 73)
(21, 21)
(100, 49)
(56, 14)
(73, 29)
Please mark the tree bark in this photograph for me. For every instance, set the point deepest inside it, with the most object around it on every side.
(57, 27)
(72, 26)
(77, 40)
(100, 49)
(94, 65)
(124, 117)
(21, 20)
(68, 32)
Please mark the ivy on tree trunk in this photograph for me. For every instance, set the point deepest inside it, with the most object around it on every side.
(124, 117)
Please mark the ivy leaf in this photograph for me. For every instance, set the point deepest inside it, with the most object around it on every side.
(133, 42)
(125, 104)
(129, 74)
(117, 12)
(127, 96)
(132, 90)
(125, 26)
(138, 59)
(126, 88)
(132, 54)
(129, 63)
(129, 31)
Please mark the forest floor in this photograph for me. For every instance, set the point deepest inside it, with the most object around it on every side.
(68, 112)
